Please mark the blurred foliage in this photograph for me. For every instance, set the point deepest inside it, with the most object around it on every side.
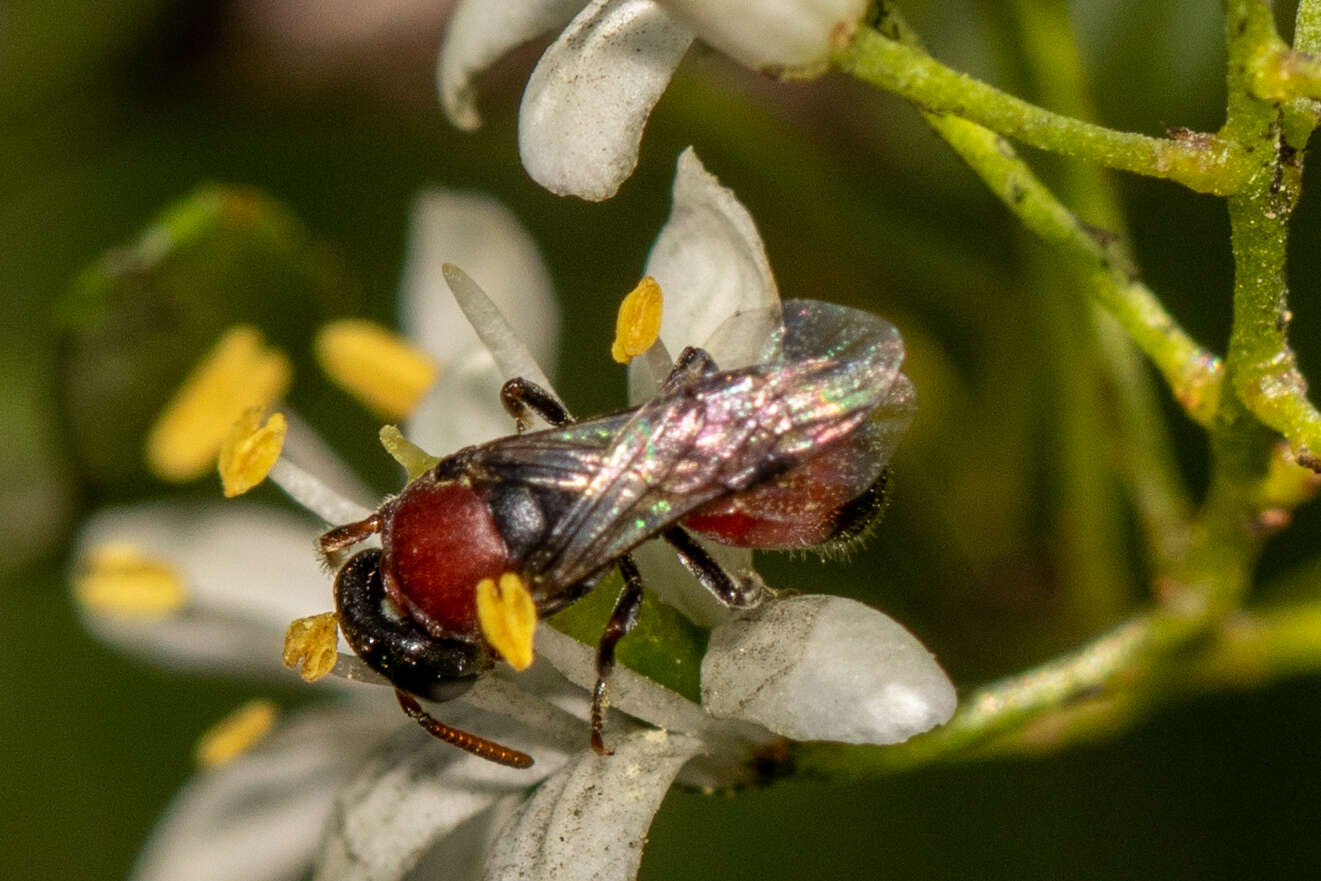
(136, 321)
(113, 112)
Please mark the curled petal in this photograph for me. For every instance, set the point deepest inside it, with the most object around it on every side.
(479, 33)
(247, 571)
(712, 268)
(590, 95)
(414, 791)
(778, 37)
(480, 234)
(825, 668)
(590, 820)
(260, 816)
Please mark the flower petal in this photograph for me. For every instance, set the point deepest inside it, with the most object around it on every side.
(590, 820)
(248, 571)
(478, 34)
(260, 816)
(497, 333)
(463, 407)
(773, 36)
(481, 234)
(713, 272)
(590, 95)
(414, 791)
(825, 668)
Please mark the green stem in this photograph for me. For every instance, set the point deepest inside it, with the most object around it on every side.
(1307, 27)
(1279, 74)
(1192, 372)
(1203, 163)
(1260, 365)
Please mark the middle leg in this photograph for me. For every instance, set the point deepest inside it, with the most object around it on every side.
(622, 620)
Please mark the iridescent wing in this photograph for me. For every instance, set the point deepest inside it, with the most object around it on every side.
(559, 459)
(829, 374)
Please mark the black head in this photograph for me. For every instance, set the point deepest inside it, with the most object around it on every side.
(395, 645)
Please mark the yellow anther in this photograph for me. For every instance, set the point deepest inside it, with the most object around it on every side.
(639, 321)
(415, 460)
(312, 645)
(250, 450)
(508, 618)
(235, 734)
(378, 368)
(237, 374)
(120, 580)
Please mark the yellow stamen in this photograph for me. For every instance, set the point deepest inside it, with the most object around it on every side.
(238, 373)
(312, 645)
(121, 580)
(639, 321)
(415, 460)
(235, 734)
(250, 450)
(508, 618)
(378, 368)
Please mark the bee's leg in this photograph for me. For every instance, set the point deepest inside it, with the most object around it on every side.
(692, 364)
(729, 589)
(331, 542)
(621, 622)
(464, 740)
(520, 395)
(413, 660)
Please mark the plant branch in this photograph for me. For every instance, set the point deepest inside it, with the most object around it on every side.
(1203, 163)
(1261, 366)
(1193, 373)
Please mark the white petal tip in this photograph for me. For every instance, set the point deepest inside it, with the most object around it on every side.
(825, 668)
(587, 101)
(460, 106)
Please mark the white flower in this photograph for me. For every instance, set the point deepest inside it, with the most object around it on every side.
(589, 98)
(378, 798)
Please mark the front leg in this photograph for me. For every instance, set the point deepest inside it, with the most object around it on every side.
(622, 620)
(692, 364)
(331, 542)
(520, 395)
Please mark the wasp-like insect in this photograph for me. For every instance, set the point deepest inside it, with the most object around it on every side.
(789, 453)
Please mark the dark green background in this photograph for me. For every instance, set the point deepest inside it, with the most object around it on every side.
(109, 113)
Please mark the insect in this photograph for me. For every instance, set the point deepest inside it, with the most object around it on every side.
(788, 453)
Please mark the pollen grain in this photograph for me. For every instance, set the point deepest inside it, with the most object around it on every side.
(374, 365)
(236, 733)
(639, 321)
(311, 645)
(240, 372)
(508, 618)
(250, 450)
(121, 580)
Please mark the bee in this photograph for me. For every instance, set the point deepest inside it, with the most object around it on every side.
(788, 453)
